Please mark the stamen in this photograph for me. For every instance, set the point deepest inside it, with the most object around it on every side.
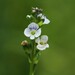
(33, 32)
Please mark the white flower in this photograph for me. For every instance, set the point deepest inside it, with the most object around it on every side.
(46, 21)
(42, 42)
(32, 31)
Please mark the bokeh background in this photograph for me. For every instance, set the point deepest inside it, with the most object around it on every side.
(59, 59)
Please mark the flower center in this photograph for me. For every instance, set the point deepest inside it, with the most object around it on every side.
(41, 43)
(33, 32)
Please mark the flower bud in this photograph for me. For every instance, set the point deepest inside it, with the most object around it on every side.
(24, 43)
(28, 16)
(36, 10)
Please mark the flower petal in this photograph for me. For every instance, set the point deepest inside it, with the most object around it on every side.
(46, 21)
(39, 15)
(41, 47)
(37, 40)
(38, 33)
(44, 38)
(42, 17)
(32, 37)
(33, 25)
(47, 45)
(27, 32)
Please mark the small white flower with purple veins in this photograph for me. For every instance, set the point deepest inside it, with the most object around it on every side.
(42, 42)
(32, 31)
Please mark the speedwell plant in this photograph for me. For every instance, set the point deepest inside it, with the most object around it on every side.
(37, 42)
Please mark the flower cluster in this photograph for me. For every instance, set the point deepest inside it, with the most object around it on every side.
(33, 31)
(38, 42)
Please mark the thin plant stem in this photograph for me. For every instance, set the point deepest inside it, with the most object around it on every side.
(32, 59)
(31, 69)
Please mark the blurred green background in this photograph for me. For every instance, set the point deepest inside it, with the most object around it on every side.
(59, 59)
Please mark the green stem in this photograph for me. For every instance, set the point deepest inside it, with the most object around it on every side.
(31, 69)
(32, 59)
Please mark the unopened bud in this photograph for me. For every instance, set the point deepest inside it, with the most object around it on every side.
(28, 16)
(24, 43)
(36, 10)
